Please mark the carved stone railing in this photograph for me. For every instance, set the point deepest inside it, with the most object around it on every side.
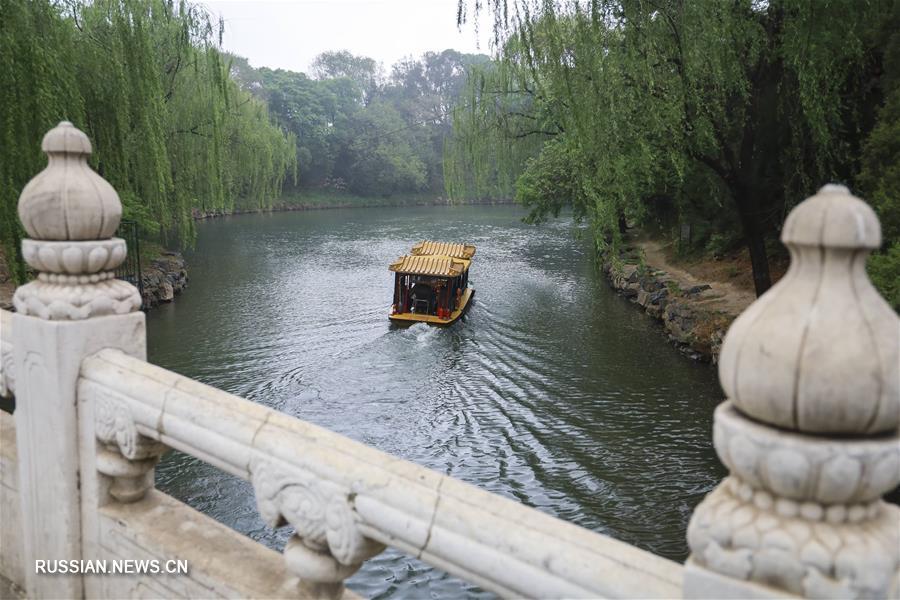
(347, 501)
(809, 435)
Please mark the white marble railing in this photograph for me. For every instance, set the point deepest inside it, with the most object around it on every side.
(809, 435)
(347, 501)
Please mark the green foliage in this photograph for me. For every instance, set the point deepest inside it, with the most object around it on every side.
(880, 177)
(358, 130)
(880, 174)
(642, 261)
(884, 270)
(550, 181)
(37, 89)
(727, 112)
(171, 131)
(499, 123)
(361, 70)
(719, 244)
(379, 158)
(616, 265)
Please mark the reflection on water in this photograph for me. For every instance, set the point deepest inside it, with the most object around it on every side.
(551, 391)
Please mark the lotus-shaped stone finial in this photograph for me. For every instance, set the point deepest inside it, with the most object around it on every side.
(68, 200)
(820, 351)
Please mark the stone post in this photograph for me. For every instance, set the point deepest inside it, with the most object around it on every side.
(74, 308)
(809, 432)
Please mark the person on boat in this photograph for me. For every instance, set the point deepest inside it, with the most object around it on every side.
(421, 291)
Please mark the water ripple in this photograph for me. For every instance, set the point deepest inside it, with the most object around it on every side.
(552, 391)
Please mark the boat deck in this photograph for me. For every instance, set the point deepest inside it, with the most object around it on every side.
(409, 317)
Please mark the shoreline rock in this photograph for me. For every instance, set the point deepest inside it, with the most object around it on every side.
(696, 330)
(163, 279)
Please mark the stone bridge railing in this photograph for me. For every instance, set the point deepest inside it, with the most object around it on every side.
(809, 435)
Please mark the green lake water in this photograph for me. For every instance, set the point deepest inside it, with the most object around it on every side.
(552, 390)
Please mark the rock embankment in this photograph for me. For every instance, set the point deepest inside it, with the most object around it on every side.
(695, 318)
(163, 279)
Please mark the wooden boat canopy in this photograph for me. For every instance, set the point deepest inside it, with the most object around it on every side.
(431, 248)
(437, 266)
(432, 284)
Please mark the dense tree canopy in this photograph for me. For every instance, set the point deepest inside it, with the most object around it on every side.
(146, 81)
(718, 114)
(360, 131)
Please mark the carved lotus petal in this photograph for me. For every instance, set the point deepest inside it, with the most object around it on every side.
(884, 475)
(788, 472)
(800, 467)
(116, 256)
(71, 260)
(97, 259)
(48, 260)
(74, 258)
(839, 479)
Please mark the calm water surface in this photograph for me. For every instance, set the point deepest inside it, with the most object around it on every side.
(552, 391)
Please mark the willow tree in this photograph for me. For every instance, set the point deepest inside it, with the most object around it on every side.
(501, 120)
(37, 88)
(759, 101)
(880, 165)
(147, 81)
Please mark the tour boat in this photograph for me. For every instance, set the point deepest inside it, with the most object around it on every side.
(431, 283)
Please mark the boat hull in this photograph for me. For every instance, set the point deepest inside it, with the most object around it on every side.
(409, 318)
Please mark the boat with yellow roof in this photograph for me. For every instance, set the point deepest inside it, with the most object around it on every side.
(431, 283)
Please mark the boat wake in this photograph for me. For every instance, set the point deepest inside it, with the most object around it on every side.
(422, 333)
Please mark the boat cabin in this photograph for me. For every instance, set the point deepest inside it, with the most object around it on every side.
(431, 284)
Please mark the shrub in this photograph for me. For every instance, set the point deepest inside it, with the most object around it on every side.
(884, 270)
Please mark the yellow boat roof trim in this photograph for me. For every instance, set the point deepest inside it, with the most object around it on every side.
(438, 266)
(432, 248)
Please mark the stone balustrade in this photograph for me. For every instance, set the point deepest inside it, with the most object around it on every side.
(809, 434)
(347, 501)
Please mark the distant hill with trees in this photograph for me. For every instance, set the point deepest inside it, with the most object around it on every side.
(361, 130)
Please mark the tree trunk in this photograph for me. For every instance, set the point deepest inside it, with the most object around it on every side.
(756, 243)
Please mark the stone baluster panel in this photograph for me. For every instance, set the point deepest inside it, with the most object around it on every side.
(327, 546)
(809, 432)
(123, 455)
